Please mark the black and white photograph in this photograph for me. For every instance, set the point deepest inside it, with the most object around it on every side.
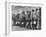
(22, 18)
(26, 18)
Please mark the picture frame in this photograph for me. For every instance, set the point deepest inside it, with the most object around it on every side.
(8, 14)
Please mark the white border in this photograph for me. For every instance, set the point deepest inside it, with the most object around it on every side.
(9, 14)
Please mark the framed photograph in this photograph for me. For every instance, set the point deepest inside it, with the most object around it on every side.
(23, 17)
